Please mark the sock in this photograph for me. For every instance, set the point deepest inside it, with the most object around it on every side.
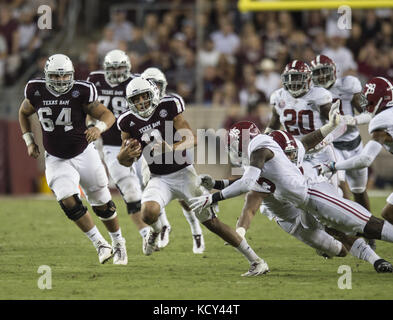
(387, 232)
(116, 235)
(163, 218)
(247, 251)
(143, 232)
(94, 235)
(157, 226)
(193, 221)
(360, 249)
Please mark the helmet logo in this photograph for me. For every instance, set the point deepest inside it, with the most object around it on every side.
(370, 88)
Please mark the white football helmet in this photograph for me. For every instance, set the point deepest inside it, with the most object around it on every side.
(59, 65)
(117, 67)
(138, 86)
(156, 75)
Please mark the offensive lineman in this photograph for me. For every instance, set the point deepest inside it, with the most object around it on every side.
(155, 125)
(70, 158)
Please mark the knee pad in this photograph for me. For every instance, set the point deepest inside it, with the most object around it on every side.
(133, 207)
(75, 212)
(108, 213)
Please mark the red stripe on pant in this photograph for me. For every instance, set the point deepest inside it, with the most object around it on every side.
(318, 195)
(343, 203)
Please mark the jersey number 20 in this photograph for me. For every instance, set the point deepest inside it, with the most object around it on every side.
(295, 121)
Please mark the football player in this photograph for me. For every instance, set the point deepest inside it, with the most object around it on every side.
(70, 158)
(379, 94)
(111, 85)
(349, 91)
(270, 171)
(158, 77)
(302, 108)
(295, 221)
(160, 128)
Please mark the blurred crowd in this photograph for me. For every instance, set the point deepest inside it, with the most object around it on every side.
(21, 40)
(239, 56)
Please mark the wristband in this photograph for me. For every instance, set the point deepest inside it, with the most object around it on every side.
(90, 124)
(221, 184)
(29, 138)
(101, 125)
(217, 197)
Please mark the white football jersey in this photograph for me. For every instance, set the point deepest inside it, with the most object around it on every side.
(383, 121)
(344, 89)
(279, 175)
(300, 116)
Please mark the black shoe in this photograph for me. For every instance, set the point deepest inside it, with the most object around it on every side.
(383, 266)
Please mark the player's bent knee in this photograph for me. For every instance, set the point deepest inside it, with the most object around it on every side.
(76, 211)
(133, 207)
(150, 212)
(106, 213)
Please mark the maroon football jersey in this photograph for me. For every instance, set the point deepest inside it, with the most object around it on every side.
(112, 97)
(158, 126)
(61, 116)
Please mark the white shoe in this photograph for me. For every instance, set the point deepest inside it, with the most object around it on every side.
(257, 268)
(199, 243)
(163, 240)
(150, 242)
(119, 252)
(104, 251)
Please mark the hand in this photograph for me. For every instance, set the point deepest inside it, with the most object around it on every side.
(92, 134)
(33, 150)
(325, 168)
(207, 181)
(334, 114)
(129, 152)
(349, 120)
(197, 204)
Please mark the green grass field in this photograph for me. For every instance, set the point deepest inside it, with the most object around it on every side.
(36, 232)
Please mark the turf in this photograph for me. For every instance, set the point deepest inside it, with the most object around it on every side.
(36, 232)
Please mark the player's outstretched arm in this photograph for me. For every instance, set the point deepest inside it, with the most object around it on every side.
(105, 120)
(25, 111)
(253, 202)
(243, 185)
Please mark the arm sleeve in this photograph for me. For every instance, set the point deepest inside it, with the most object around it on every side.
(243, 185)
(362, 160)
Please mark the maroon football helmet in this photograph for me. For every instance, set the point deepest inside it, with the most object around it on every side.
(239, 136)
(323, 71)
(287, 143)
(379, 94)
(296, 78)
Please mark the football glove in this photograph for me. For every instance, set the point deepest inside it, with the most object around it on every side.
(207, 181)
(197, 204)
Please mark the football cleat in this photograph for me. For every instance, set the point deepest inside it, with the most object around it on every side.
(383, 266)
(164, 236)
(104, 251)
(323, 254)
(198, 244)
(257, 268)
(150, 242)
(119, 252)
